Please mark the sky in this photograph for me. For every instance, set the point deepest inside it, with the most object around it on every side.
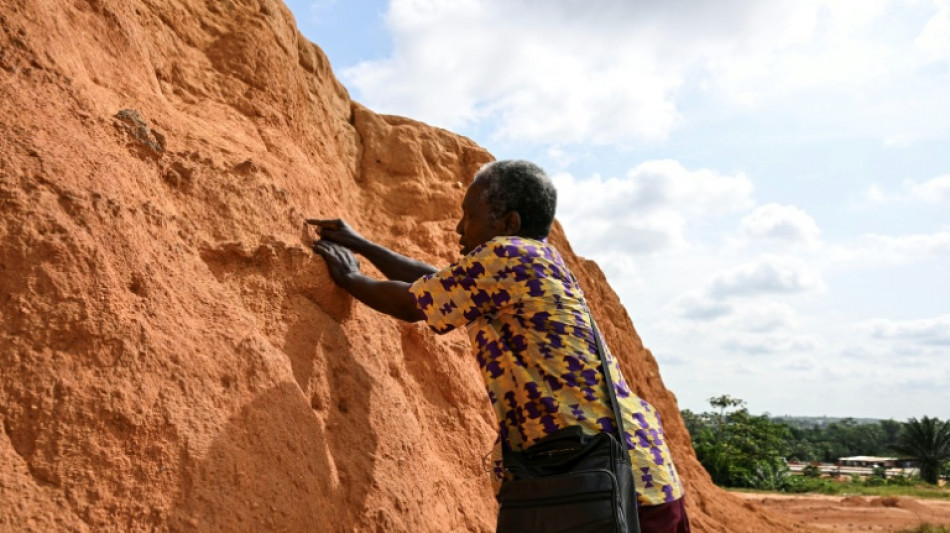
(765, 184)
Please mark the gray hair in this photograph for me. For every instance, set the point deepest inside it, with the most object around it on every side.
(520, 186)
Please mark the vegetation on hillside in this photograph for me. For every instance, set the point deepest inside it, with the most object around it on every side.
(742, 450)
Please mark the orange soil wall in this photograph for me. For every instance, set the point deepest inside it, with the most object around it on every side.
(172, 355)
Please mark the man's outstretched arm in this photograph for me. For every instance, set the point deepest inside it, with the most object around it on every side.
(390, 297)
(394, 266)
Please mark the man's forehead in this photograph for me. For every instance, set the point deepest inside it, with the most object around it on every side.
(473, 196)
(477, 186)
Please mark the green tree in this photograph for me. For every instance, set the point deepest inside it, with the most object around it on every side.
(694, 422)
(843, 438)
(804, 444)
(739, 449)
(892, 430)
(927, 441)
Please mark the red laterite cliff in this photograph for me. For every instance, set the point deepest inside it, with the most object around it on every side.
(172, 355)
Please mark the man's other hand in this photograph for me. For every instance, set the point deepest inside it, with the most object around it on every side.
(339, 232)
(341, 262)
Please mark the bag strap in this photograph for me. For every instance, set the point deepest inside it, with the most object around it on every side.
(605, 368)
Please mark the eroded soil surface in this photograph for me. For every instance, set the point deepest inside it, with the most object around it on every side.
(854, 513)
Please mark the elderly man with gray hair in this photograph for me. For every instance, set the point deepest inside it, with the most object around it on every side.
(527, 318)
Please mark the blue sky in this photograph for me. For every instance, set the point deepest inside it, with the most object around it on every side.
(766, 184)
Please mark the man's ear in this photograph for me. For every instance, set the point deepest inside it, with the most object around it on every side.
(511, 223)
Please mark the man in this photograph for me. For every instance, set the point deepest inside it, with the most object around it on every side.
(527, 319)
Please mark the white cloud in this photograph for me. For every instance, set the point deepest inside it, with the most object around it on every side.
(874, 195)
(563, 73)
(768, 275)
(650, 208)
(561, 157)
(929, 384)
(763, 317)
(900, 140)
(456, 63)
(622, 269)
(934, 191)
(903, 248)
(697, 306)
(928, 331)
(800, 363)
(667, 184)
(873, 251)
(747, 316)
(933, 39)
(759, 344)
(783, 223)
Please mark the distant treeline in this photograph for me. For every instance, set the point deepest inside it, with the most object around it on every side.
(845, 438)
(739, 449)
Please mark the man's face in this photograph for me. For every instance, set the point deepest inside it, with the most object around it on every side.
(477, 225)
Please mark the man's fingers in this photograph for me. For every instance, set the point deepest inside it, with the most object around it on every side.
(318, 249)
(325, 248)
(340, 261)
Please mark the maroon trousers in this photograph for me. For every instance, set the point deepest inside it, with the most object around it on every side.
(664, 518)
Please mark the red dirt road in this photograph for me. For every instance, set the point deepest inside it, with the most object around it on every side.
(854, 513)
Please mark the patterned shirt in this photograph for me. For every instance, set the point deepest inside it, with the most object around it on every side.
(528, 322)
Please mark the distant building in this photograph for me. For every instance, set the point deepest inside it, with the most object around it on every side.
(870, 461)
(862, 465)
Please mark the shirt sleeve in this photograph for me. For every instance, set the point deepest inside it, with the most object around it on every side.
(461, 292)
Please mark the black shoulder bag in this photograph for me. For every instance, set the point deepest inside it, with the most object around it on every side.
(570, 481)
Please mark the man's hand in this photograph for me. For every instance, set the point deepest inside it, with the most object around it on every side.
(341, 262)
(339, 232)
(390, 297)
(394, 266)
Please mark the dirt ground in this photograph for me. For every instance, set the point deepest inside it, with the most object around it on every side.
(854, 513)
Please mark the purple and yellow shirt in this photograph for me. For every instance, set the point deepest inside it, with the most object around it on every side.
(528, 322)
